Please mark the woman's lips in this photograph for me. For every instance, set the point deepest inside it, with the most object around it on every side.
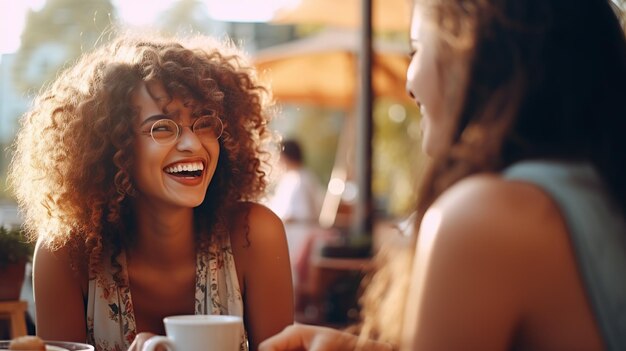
(186, 172)
(187, 179)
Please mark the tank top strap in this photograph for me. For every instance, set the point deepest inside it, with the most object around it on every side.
(110, 313)
(217, 285)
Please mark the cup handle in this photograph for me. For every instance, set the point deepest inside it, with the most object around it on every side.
(153, 342)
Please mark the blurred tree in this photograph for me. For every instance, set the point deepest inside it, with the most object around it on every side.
(58, 34)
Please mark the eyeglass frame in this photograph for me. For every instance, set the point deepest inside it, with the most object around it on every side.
(179, 128)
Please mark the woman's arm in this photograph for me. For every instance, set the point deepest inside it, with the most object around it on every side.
(264, 262)
(58, 294)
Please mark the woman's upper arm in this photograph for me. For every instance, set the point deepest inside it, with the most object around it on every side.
(470, 269)
(268, 291)
(58, 295)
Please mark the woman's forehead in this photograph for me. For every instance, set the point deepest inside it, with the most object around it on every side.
(143, 100)
(418, 21)
(157, 91)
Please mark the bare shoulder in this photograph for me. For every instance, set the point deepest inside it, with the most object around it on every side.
(47, 257)
(495, 225)
(490, 250)
(488, 203)
(55, 280)
(262, 261)
(59, 262)
(494, 257)
(261, 215)
(259, 235)
(255, 226)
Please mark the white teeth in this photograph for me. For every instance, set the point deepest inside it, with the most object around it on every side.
(189, 167)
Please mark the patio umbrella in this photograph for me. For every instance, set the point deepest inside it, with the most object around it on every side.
(323, 69)
(391, 15)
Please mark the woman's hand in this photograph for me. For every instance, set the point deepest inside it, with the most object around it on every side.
(313, 338)
(140, 340)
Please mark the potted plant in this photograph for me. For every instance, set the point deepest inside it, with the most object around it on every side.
(15, 252)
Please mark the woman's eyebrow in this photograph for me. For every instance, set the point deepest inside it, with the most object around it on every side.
(153, 118)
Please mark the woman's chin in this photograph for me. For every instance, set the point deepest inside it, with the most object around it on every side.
(189, 202)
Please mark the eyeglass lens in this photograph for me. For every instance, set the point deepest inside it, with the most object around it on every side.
(165, 131)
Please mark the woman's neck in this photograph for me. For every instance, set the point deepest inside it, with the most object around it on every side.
(164, 236)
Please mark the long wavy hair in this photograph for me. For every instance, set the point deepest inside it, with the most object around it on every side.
(71, 170)
(544, 79)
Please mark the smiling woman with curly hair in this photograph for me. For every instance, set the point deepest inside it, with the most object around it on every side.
(137, 172)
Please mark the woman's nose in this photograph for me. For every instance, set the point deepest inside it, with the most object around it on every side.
(188, 140)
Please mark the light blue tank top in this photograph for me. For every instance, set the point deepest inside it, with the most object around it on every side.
(598, 232)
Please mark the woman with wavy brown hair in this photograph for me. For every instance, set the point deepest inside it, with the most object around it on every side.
(137, 170)
(520, 238)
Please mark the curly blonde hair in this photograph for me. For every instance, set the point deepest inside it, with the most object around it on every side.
(73, 153)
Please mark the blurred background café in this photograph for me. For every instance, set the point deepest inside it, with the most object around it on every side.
(337, 72)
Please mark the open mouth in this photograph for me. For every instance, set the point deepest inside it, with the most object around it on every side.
(185, 169)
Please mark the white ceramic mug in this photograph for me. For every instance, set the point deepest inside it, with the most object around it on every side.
(199, 333)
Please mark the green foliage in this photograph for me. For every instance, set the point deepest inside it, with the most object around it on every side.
(14, 246)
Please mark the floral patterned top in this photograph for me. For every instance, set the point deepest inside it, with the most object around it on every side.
(110, 314)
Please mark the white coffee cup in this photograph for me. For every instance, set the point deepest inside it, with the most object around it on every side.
(199, 333)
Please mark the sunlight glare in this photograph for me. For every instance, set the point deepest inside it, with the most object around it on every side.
(397, 113)
(336, 186)
(140, 13)
(246, 10)
(13, 20)
(429, 229)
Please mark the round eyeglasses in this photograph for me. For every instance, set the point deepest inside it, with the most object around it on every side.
(166, 131)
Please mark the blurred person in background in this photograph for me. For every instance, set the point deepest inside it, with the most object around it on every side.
(521, 219)
(298, 194)
(297, 200)
(137, 171)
